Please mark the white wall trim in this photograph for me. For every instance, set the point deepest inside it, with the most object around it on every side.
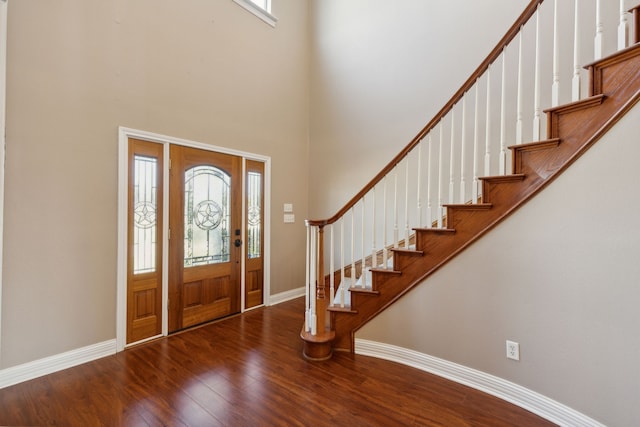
(253, 8)
(3, 104)
(286, 296)
(124, 134)
(530, 400)
(58, 362)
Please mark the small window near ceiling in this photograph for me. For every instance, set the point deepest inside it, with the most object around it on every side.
(260, 8)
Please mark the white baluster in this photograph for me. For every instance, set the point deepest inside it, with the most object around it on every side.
(487, 147)
(575, 83)
(353, 247)
(363, 262)
(623, 28)
(519, 114)
(503, 117)
(429, 195)
(597, 42)
(555, 87)
(406, 204)
(536, 90)
(342, 263)
(452, 144)
(332, 291)
(440, 175)
(395, 207)
(307, 294)
(476, 131)
(463, 150)
(314, 276)
(419, 186)
(374, 255)
(385, 253)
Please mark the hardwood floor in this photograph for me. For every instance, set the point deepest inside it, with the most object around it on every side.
(248, 371)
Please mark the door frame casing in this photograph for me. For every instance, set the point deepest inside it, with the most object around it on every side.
(124, 134)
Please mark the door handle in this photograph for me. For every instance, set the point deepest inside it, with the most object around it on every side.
(237, 243)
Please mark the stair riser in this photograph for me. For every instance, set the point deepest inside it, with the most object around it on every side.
(607, 78)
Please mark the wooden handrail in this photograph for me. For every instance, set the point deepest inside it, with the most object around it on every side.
(495, 53)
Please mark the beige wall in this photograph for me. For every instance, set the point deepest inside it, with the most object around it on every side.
(380, 71)
(207, 71)
(560, 276)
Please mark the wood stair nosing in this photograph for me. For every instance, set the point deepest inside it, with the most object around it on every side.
(345, 309)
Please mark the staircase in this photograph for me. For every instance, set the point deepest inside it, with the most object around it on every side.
(613, 88)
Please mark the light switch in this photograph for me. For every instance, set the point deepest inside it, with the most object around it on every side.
(289, 218)
(288, 207)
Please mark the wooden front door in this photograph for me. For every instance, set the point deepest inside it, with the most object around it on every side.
(205, 229)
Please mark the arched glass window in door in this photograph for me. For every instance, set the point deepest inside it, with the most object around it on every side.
(207, 213)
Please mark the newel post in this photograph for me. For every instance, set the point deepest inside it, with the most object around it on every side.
(317, 336)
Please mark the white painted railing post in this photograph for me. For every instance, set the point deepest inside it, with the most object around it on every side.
(429, 195)
(313, 287)
(374, 255)
(406, 203)
(440, 175)
(353, 246)
(395, 207)
(555, 87)
(419, 187)
(536, 91)
(476, 138)
(307, 301)
(385, 252)
(597, 42)
(519, 101)
(452, 145)
(575, 83)
(363, 262)
(487, 152)
(463, 151)
(503, 118)
(623, 28)
(332, 279)
(342, 264)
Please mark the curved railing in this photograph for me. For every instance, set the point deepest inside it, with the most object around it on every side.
(539, 62)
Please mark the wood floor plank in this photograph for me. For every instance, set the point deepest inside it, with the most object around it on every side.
(248, 370)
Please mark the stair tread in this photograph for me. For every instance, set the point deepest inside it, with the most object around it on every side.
(536, 145)
(505, 178)
(364, 291)
(589, 102)
(386, 271)
(345, 309)
(436, 230)
(470, 207)
(407, 251)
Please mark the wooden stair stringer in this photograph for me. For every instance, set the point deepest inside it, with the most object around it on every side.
(575, 128)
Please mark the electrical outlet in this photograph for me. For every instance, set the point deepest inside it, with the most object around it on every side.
(513, 350)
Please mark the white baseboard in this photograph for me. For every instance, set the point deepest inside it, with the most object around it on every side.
(286, 296)
(58, 362)
(527, 399)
